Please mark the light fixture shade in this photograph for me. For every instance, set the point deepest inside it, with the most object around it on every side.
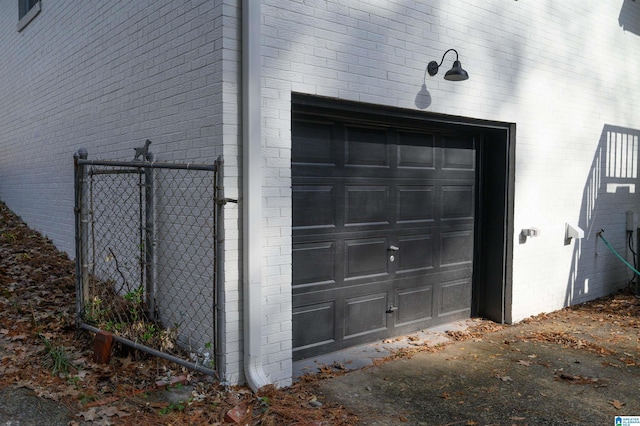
(456, 73)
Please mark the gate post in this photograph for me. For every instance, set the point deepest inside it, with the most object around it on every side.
(150, 238)
(81, 219)
(219, 324)
(636, 260)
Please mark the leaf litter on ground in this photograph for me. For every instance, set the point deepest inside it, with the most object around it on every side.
(41, 350)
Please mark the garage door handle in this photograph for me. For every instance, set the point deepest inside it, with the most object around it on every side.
(393, 248)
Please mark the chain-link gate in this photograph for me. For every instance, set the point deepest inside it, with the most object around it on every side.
(146, 252)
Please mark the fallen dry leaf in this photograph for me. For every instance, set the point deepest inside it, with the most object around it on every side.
(576, 379)
(525, 363)
(89, 415)
(17, 337)
(617, 404)
(112, 411)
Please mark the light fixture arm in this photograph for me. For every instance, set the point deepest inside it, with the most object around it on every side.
(456, 73)
(433, 66)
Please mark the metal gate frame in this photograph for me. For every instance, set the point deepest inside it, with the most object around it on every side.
(82, 216)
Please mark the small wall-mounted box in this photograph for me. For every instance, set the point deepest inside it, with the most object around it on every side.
(631, 222)
(572, 231)
(530, 232)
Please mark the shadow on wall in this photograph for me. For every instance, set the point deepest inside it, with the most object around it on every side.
(423, 98)
(612, 189)
(629, 18)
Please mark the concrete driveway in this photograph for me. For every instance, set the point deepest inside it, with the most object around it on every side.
(575, 366)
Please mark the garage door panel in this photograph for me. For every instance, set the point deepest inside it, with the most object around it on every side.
(416, 151)
(313, 325)
(314, 206)
(456, 248)
(366, 147)
(314, 264)
(351, 173)
(415, 203)
(414, 304)
(365, 258)
(455, 297)
(366, 205)
(314, 143)
(383, 233)
(457, 201)
(365, 314)
(415, 254)
(458, 153)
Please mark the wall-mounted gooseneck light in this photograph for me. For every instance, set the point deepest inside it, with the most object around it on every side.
(456, 73)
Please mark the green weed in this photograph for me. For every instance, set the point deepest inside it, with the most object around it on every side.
(23, 256)
(174, 406)
(151, 331)
(10, 236)
(135, 301)
(56, 358)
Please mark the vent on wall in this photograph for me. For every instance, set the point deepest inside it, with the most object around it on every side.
(27, 10)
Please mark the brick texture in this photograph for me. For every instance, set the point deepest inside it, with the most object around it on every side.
(551, 68)
(108, 75)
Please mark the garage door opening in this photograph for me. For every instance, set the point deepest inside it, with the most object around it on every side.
(399, 222)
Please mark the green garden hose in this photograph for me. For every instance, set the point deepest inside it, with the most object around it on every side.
(616, 253)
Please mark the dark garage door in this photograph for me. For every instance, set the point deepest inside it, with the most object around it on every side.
(383, 230)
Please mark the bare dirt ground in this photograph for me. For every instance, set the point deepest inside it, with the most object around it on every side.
(575, 366)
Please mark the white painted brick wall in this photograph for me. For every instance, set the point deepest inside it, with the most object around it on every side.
(106, 76)
(103, 76)
(109, 75)
(552, 68)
